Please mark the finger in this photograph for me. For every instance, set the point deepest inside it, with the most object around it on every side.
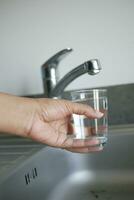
(82, 109)
(85, 149)
(79, 143)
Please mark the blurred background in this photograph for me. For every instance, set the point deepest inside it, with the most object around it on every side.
(31, 31)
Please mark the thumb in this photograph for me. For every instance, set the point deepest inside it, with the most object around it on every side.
(83, 109)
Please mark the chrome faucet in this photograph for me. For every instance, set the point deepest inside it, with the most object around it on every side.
(52, 85)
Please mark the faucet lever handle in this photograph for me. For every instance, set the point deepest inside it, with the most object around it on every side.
(54, 60)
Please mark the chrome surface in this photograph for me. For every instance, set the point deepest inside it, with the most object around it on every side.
(49, 70)
(62, 175)
(14, 150)
(52, 86)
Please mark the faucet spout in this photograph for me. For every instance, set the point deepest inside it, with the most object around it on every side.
(92, 67)
(52, 85)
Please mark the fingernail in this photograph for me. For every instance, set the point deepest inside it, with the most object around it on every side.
(99, 114)
(100, 148)
(95, 149)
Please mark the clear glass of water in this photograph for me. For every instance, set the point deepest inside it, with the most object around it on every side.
(83, 127)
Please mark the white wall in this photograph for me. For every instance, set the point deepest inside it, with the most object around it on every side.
(33, 30)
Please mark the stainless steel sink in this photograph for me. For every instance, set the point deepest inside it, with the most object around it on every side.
(54, 174)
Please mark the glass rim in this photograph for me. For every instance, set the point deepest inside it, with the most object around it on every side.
(81, 91)
(88, 90)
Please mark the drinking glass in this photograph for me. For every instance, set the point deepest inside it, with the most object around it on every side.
(82, 127)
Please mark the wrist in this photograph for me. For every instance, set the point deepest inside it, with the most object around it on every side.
(15, 114)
